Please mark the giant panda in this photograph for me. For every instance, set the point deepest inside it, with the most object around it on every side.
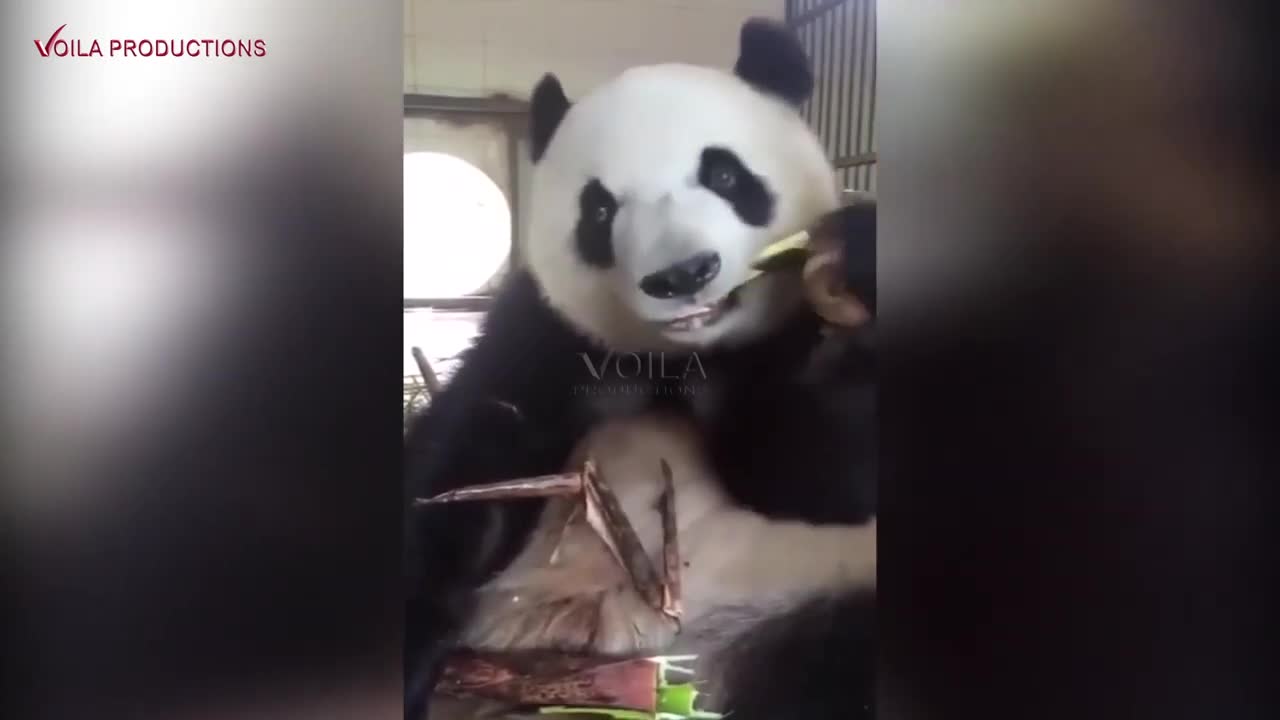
(651, 196)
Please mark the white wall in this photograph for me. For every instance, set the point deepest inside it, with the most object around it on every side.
(482, 47)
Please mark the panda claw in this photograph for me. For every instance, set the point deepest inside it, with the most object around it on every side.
(671, 594)
(606, 517)
(535, 487)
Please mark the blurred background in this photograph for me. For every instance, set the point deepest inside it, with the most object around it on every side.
(468, 69)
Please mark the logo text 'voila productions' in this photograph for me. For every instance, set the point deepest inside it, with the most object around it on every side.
(58, 46)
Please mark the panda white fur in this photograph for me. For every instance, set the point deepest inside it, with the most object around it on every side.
(651, 196)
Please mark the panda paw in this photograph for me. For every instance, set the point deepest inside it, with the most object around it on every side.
(854, 231)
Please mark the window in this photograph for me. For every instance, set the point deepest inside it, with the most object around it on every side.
(457, 238)
(457, 227)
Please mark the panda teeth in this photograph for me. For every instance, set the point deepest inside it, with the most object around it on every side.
(705, 315)
(700, 318)
(694, 322)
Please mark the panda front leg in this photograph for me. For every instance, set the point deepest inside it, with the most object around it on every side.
(802, 444)
(509, 412)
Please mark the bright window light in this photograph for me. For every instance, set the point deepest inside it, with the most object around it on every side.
(457, 226)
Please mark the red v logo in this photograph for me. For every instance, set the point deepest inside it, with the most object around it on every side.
(48, 44)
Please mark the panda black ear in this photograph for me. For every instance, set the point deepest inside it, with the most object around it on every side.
(771, 59)
(546, 109)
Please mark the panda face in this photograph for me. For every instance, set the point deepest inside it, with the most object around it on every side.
(653, 194)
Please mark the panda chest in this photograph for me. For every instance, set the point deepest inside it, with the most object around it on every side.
(567, 590)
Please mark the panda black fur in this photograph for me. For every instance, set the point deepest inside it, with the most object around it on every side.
(775, 471)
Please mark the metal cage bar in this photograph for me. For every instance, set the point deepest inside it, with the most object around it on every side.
(840, 39)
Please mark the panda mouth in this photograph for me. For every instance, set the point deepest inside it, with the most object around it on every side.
(704, 316)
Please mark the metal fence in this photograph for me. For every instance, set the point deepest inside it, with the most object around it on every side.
(840, 37)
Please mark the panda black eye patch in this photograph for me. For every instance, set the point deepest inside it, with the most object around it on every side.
(594, 232)
(722, 172)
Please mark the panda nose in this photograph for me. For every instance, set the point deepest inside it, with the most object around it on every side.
(684, 278)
